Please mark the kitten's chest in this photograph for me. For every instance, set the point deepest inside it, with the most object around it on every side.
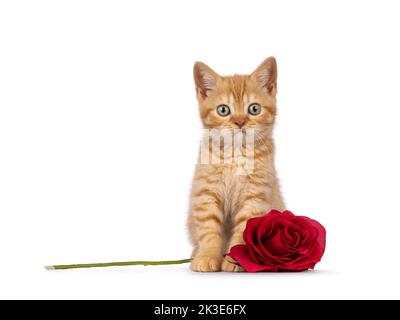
(235, 188)
(232, 187)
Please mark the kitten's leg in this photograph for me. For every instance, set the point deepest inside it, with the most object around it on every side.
(206, 227)
(250, 209)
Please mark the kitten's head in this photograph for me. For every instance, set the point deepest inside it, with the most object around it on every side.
(239, 101)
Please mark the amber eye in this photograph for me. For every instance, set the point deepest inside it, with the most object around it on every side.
(254, 109)
(223, 110)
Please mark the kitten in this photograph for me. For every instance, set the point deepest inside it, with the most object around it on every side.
(223, 197)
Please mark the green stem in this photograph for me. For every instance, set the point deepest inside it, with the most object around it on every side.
(115, 264)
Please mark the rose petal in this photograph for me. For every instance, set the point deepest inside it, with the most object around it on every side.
(287, 238)
(240, 254)
(274, 244)
(250, 232)
(250, 236)
(266, 254)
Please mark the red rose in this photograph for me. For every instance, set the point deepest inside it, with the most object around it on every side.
(280, 242)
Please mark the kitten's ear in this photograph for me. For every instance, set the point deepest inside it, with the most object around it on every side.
(205, 79)
(266, 75)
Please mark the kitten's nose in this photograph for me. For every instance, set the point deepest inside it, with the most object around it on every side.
(240, 123)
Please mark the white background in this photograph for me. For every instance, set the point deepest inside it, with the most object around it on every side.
(99, 134)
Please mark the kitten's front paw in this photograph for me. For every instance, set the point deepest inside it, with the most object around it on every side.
(228, 265)
(206, 264)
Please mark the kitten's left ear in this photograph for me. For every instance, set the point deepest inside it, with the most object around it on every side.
(266, 75)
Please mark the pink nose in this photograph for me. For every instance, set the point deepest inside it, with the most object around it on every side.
(240, 123)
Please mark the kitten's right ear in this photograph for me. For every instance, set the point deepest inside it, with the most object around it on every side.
(205, 79)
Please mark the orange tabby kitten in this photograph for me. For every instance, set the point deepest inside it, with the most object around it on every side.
(226, 192)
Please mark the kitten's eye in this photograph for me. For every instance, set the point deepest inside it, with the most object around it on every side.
(254, 109)
(223, 110)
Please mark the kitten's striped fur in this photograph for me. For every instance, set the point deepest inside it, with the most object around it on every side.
(221, 200)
